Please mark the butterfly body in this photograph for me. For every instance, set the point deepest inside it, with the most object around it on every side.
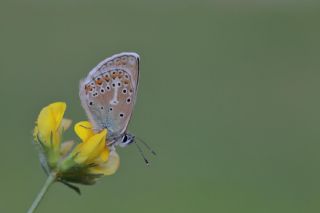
(108, 95)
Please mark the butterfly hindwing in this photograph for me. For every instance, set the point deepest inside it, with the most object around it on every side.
(109, 91)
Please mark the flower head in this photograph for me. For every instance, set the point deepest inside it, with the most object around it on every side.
(49, 127)
(91, 157)
(81, 163)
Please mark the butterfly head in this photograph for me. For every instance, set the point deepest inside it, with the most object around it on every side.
(126, 139)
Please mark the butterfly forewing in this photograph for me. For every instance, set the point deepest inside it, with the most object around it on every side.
(109, 92)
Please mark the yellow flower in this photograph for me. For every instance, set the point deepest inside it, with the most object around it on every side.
(92, 154)
(48, 130)
(83, 163)
(109, 167)
(93, 148)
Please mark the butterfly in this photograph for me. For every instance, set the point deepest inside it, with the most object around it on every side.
(108, 95)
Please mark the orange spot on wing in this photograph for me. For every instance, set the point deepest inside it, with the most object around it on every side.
(87, 88)
(106, 78)
(99, 81)
(114, 75)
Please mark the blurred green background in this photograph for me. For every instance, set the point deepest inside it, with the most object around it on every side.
(229, 98)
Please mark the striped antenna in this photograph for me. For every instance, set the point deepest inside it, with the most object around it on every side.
(147, 146)
(141, 153)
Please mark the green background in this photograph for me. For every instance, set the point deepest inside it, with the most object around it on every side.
(229, 98)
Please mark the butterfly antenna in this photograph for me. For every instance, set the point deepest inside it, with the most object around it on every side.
(141, 153)
(147, 146)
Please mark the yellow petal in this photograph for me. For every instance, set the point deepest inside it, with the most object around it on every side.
(49, 121)
(103, 157)
(52, 113)
(109, 167)
(84, 130)
(88, 151)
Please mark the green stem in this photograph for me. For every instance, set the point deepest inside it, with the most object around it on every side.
(40, 196)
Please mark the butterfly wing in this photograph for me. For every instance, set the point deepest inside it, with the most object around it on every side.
(109, 92)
